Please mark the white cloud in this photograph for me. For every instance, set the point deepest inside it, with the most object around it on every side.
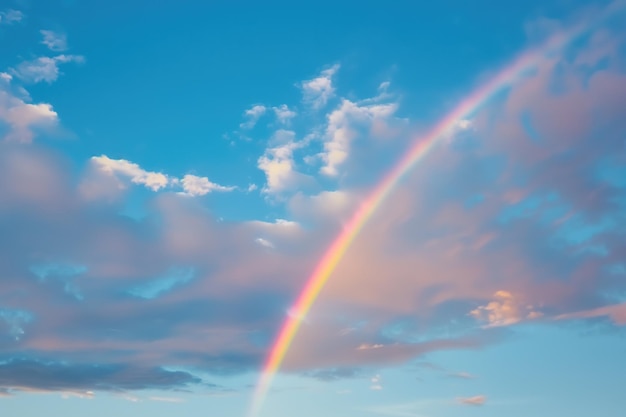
(191, 185)
(476, 400)
(504, 311)
(53, 40)
(253, 115)
(43, 68)
(11, 16)
(197, 186)
(284, 114)
(278, 163)
(342, 130)
(319, 90)
(152, 180)
(22, 117)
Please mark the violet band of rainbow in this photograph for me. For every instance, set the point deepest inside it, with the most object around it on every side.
(368, 207)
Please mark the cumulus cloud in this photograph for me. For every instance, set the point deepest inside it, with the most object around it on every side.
(44, 68)
(343, 128)
(150, 179)
(55, 41)
(23, 118)
(319, 90)
(279, 165)
(477, 400)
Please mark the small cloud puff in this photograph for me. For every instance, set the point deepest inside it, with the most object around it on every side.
(284, 114)
(365, 346)
(253, 115)
(477, 400)
(376, 383)
(319, 90)
(504, 311)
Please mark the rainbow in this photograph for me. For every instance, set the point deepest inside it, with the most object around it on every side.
(368, 207)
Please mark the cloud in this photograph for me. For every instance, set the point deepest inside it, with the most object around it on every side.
(55, 41)
(253, 115)
(279, 165)
(492, 223)
(28, 375)
(150, 179)
(284, 114)
(318, 91)
(366, 346)
(616, 312)
(191, 185)
(10, 16)
(506, 310)
(197, 186)
(475, 401)
(43, 68)
(344, 126)
(23, 118)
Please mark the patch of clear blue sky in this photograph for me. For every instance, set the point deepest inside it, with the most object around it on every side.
(160, 285)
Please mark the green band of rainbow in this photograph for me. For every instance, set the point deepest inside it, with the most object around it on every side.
(422, 145)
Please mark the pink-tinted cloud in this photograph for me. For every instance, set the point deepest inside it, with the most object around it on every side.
(477, 400)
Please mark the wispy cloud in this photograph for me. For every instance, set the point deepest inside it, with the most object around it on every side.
(376, 383)
(44, 68)
(318, 91)
(477, 400)
(252, 116)
(55, 41)
(22, 117)
(198, 186)
(10, 16)
(284, 114)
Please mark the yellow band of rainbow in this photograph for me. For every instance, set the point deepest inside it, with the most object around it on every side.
(420, 148)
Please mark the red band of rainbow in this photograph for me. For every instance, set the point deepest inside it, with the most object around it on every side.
(418, 151)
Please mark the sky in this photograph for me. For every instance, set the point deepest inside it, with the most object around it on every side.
(172, 173)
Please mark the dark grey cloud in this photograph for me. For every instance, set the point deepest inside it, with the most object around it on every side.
(27, 374)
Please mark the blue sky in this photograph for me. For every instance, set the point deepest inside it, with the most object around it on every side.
(171, 173)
